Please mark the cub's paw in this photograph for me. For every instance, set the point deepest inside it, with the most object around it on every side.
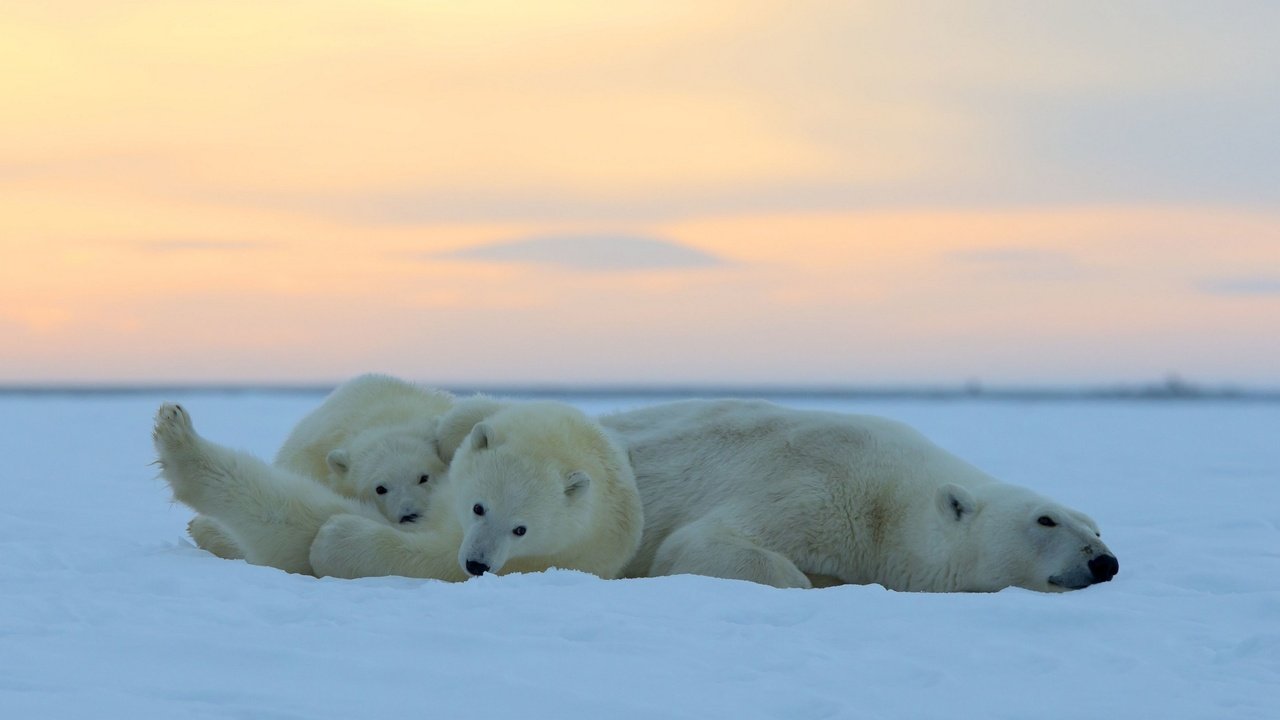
(173, 428)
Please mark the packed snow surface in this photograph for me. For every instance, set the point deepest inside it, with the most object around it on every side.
(108, 611)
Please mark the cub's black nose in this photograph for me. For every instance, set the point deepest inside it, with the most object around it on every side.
(408, 518)
(1104, 567)
(477, 568)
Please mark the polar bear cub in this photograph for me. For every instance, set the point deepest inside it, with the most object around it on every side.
(373, 439)
(533, 484)
(272, 513)
(395, 469)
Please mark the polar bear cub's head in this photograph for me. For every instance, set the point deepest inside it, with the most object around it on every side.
(396, 469)
(1013, 536)
(526, 482)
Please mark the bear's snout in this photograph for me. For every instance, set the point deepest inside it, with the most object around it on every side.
(1104, 567)
(477, 568)
(408, 518)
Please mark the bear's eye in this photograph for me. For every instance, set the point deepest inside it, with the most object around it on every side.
(519, 531)
(1046, 521)
(423, 480)
(478, 509)
(381, 489)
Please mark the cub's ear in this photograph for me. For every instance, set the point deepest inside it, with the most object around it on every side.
(339, 461)
(482, 436)
(956, 503)
(576, 483)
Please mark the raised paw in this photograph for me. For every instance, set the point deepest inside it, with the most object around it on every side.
(173, 426)
(183, 458)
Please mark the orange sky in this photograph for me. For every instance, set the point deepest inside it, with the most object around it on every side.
(502, 192)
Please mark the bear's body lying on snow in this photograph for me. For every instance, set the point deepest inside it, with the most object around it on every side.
(733, 489)
(755, 491)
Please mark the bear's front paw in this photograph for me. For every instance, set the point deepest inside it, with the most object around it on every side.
(344, 545)
(173, 427)
(342, 529)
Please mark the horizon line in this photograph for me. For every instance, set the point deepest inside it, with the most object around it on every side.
(1169, 389)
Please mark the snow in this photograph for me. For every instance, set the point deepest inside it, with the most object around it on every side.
(107, 611)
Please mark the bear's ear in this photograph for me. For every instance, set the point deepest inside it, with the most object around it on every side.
(482, 436)
(455, 426)
(576, 483)
(339, 461)
(956, 503)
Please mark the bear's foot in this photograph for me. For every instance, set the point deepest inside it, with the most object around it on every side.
(173, 433)
(191, 466)
(212, 537)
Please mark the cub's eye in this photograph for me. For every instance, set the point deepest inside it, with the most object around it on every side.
(423, 480)
(1046, 521)
(478, 509)
(519, 531)
(381, 489)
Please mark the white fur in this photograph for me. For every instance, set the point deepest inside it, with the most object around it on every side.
(396, 469)
(540, 484)
(272, 514)
(455, 425)
(369, 402)
(793, 498)
(354, 546)
(371, 439)
(213, 537)
(373, 431)
(542, 466)
(288, 521)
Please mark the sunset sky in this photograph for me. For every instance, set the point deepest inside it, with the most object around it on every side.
(640, 192)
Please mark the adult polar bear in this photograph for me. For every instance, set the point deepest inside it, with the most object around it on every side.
(754, 491)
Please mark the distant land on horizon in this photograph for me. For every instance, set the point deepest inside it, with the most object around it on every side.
(1172, 388)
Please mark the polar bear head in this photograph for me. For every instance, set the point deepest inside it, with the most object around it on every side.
(526, 481)
(397, 470)
(1010, 536)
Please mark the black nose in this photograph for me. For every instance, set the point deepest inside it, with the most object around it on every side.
(1104, 567)
(408, 518)
(477, 568)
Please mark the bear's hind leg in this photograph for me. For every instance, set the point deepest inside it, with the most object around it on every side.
(272, 513)
(711, 547)
(200, 473)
